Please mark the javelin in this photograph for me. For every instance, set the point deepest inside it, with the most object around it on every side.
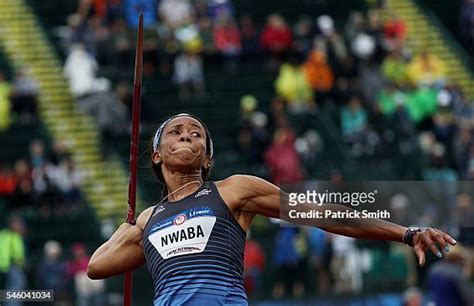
(132, 179)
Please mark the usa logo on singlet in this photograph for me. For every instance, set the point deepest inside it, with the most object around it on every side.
(185, 233)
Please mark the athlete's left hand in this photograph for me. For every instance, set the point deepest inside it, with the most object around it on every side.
(431, 238)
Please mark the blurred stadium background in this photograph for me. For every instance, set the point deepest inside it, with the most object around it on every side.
(305, 89)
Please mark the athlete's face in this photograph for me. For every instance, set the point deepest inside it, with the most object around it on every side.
(183, 145)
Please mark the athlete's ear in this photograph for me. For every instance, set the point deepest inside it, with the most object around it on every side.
(208, 162)
(156, 157)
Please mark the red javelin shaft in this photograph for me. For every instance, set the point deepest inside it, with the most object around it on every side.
(132, 183)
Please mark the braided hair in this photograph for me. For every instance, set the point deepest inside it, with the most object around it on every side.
(155, 144)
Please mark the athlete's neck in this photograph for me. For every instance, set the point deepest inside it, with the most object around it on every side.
(181, 185)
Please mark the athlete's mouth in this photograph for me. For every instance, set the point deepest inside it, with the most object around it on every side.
(183, 148)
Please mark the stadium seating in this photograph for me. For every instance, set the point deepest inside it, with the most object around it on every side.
(27, 46)
(429, 33)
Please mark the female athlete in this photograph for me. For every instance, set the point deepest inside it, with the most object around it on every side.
(193, 243)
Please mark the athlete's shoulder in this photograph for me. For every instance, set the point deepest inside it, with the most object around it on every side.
(241, 180)
(144, 216)
(234, 181)
(242, 185)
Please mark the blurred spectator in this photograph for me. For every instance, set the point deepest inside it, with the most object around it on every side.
(253, 136)
(470, 163)
(289, 279)
(121, 43)
(133, 7)
(45, 188)
(293, 86)
(250, 38)
(111, 113)
(354, 26)
(320, 253)
(395, 31)
(412, 297)
(278, 116)
(353, 120)
(395, 28)
(188, 74)
(59, 153)
(69, 180)
(405, 129)
(466, 22)
(51, 271)
(374, 28)
(447, 281)
(344, 265)
(371, 81)
(88, 292)
(439, 169)
(176, 13)
(330, 42)
(12, 256)
(444, 125)
(399, 210)
(206, 34)
(5, 106)
(37, 153)
(276, 35)
(201, 8)
(276, 39)
(318, 73)
(461, 218)
(463, 109)
(227, 41)
(24, 187)
(80, 69)
(254, 264)
(461, 146)
(395, 68)
(76, 32)
(100, 8)
(25, 90)
(302, 36)
(375, 25)
(426, 69)
(8, 182)
(309, 145)
(218, 9)
(282, 159)
(102, 38)
(44, 179)
(188, 37)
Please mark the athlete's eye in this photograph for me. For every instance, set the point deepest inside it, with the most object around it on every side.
(173, 132)
(196, 134)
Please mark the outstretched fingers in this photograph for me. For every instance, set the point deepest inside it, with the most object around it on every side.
(420, 253)
(440, 241)
(432, 239)
(427, 239)
(447, 238)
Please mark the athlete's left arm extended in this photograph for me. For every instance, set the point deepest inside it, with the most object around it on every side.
(258, 196)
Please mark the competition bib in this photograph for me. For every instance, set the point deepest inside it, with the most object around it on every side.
(185, 233)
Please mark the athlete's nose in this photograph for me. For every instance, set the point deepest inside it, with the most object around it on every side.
(185, 136)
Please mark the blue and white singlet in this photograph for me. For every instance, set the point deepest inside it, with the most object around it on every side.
(194, 251)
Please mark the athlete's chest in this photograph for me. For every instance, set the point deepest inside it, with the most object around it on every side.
(183, 232)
